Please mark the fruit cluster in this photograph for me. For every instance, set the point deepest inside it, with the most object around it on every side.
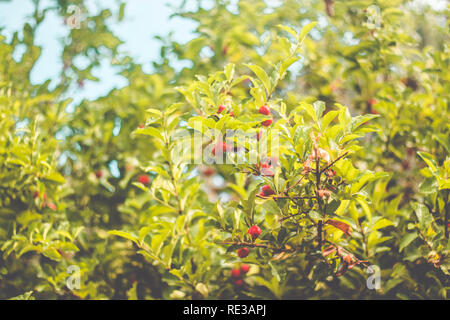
(238, 273)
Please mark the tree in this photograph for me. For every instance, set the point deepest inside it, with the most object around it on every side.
(297, 196)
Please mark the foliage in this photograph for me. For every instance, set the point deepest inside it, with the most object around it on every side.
(338, 191)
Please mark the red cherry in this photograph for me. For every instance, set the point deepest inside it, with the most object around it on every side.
(330, 173)
(259, 135)
(243, 252)
(51, 206)
(266, 191)
(221, 147)
(267, 122)
(239, 282)
(264, 110)
(236, 273)
(224, 49)
(245, 268)
(208, 172)
(221, 108)
(144, 179)
(266, 170)
(99, 174)
(254, 232)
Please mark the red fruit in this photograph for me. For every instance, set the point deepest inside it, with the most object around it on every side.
(259, 135)
(266, 170)
(51, 206)
(245, 268)
(243, 252)
(239, 282)
(332, 87)
(264, 110)
(221, 108)
(232, 113)
(221, 147)
(208, 172)
(141, 125)
(266, 191)
(267, 122)
(99, 174)
(35, 194)
(144, 179)
(330, 173)
(254, 232)
(236, 273)
(372, 101)
(348, 258)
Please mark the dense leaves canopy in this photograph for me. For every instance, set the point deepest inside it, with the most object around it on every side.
(354, 183)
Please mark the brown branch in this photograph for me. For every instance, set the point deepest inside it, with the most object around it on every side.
(245, 244)
(333, 162)
(294, 185)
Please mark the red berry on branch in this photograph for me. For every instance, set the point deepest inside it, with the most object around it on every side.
(266, 191)
(323, 193)
(224, 49)
(221, 108)
(141, 125)
(266, 170)
(259, 135)
(144, 179)
(245, 268)
(254, 232)
(239, 282)
(99, 174)
(35, 194)
(243, 252)
(330, 173)
(267, 122)
(220, 148)
(232, 113)
(264, 110)
(208, 171)
(51, 206)
(236, 273)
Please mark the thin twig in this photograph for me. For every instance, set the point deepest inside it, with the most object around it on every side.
(333, 162)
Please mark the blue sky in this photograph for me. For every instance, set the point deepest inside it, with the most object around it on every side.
(142, 21)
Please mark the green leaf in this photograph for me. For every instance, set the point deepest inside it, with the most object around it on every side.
(288, 29)
(382, 223)
(229, 71)
(125, 235)
(423, 215)
(406, 240)
(262, 75)
(150, 131)
(305, 30)
(55, 176)
(154, 111)
(429, 160)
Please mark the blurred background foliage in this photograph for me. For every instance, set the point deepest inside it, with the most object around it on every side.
(69, 172)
